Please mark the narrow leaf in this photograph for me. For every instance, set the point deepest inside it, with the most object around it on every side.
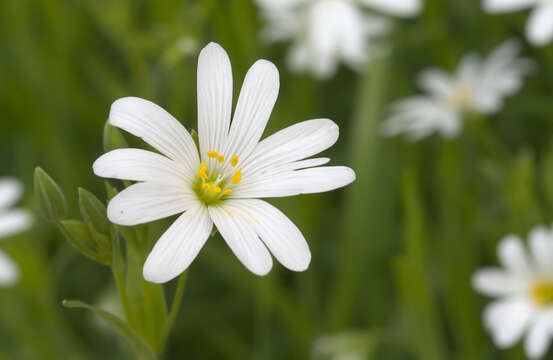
(139, 345)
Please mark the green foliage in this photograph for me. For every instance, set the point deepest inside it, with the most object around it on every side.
(392, 254)
(49, 197)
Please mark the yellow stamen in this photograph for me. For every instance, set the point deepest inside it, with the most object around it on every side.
(217, 189)
(234, 160)
(542, 292)
(204, 166)
(221, 158)
(202, 174)
(237, 177)
(227, 192)
(212, 154)
(206, 186)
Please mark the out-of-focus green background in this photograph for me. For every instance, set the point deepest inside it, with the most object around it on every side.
(392, 254)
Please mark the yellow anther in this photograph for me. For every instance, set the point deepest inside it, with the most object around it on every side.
(206, 186)
(234, 160)
(204, 166)
(212, 154)
(221, 158)
(217, 189)
(202, 174)
(237, 177)
(227, 192)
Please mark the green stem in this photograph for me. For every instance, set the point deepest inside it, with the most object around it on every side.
(175, 307)
(367, 202)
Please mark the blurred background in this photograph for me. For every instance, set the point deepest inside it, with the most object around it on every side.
(392, 254)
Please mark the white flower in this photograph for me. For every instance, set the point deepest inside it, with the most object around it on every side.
(326, 32)
(12, 221)
(477, 86)
(539, 28)
(524, 288)
(351, 345)
(220, 185)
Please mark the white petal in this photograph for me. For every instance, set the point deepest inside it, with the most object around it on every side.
(145, 202)
(539, 335)
(178, 246)
(9, 271)
(239, 234)
(436, 82)
(255, 104)
(157, 127)
(507, 320)
(14, 221)
(495, 6)
(140, 165)
(495, 282)
(293, 143)
(214, 98)
(512, 255)
(10, 192)
(307, 181)
(282, 237)
(405, 8)
(539, 29)
(541, 245)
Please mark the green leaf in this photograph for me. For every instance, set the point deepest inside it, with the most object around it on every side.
(94, 214)
(93, 211)
(111, 191)
(78, 235)
(113, 139)
(140, 346)
(49, 196)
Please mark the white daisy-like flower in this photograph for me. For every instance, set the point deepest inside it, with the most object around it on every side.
(327, 32)
(12, 221)
(351, 345)
(539, 28)
(524, 291)
(220, 184)
(478, 85)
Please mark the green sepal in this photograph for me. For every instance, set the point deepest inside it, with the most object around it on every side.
(49, 196)
(78, 234)
(111, 190)
(113, 138)
(93, 211)
(141, 347)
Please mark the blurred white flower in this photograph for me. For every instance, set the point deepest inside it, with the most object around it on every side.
(12, 221)
(222, 184)
(524, 288)
(326, 32)
(477, 86)
(539, 28)
(351, 345)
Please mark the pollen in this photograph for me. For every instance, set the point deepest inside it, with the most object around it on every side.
(206, 186)
(216, 189)
(204, 166)
(237, 177)
(542, 292)
(202, 174)
(227, 192)
(234, 161)
(221, 158)
(212, 154)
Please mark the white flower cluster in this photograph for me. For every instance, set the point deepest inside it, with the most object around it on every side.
(12, 221)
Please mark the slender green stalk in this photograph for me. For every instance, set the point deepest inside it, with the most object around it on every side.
(418, 305)
(366, 206)
(457, 250)
(175, 307)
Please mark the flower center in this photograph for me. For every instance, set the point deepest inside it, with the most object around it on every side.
(460, 96)
(216, 182)
(542, 292)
